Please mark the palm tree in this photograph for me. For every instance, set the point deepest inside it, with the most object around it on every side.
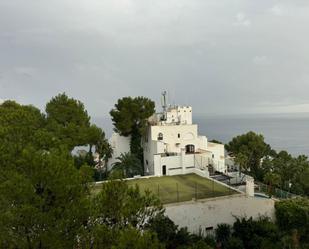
(105, 151)
(272, 179)
(242, 161)
(128, 164)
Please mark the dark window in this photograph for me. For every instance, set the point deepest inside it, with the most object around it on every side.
(209, 231)
(190, 148)
(213, 156)
(160, 136)
(146, 162)
(178, 135)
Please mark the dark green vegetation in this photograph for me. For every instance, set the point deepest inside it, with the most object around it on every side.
(130, 119)
(181, 187)
(278, 169)
(65, 125)
(290, 231)
(45, 192)
(128, 165)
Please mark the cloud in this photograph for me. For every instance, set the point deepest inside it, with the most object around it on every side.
(1, 101)
(105, 50)
(242, 20)
(276, 10)
(261, 60)
(26, 71)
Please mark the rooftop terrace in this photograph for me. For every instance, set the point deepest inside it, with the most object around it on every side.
(179, 188)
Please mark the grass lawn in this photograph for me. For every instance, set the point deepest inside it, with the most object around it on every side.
(179, 188)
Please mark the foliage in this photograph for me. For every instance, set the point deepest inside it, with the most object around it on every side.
(173, 237)
(291, 173)
(223, 233)
(68, 120)
(242, 161)
(19, 127)
(130, 119)
(164, 228)
(133, 239)
(46, 203)
(254, 232)
(273, 180)
(294, 215)
(282, 170)
(128, 164)
(251, 146)
(117, 205)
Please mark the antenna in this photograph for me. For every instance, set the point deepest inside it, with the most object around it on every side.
(163, 101)
(164, 105)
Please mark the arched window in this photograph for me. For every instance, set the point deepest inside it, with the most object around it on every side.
(190, 148)
(160, 136)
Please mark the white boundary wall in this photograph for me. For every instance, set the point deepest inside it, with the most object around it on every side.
(202, 214)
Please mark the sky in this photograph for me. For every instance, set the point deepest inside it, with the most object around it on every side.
(220, 57)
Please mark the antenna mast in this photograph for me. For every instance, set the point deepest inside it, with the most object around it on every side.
(164, 104)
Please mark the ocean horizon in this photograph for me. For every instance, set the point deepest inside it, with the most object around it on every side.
(288, 132)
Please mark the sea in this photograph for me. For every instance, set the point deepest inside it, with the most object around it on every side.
(288, 132)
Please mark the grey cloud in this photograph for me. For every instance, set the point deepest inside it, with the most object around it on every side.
(98, 51)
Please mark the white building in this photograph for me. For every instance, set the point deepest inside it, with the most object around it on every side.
(119, 144)
(173, 146)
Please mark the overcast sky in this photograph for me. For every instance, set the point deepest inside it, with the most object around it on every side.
(220, 56)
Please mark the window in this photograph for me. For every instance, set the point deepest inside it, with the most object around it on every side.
(209, 231)
(190, 148)
(178, 135)
(213, 156)
(160, 136)
(146, 162)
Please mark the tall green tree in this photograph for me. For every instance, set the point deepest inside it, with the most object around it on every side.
(253, 147)
(291, 170)
(43, 201)
(292, 216)
(242, 161)
(273, 180)
(68, 120)
(119, 215)
(20, 126)
(130, 118)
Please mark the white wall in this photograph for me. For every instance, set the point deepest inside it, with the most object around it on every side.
(120, 144)
(218, 160)
(175, 165)
(211, 212)
(188, 135)
(178, 114)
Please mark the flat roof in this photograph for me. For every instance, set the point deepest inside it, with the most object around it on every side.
(180, 188)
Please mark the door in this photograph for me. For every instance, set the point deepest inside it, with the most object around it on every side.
(164, 170)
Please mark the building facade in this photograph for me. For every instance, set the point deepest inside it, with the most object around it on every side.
(173, 146)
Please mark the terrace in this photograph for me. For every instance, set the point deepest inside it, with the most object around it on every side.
(179, 188)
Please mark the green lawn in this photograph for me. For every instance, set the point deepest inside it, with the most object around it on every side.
(178, 188)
